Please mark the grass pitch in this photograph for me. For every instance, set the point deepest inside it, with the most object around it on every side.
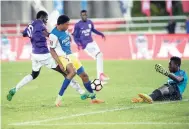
(33, 106)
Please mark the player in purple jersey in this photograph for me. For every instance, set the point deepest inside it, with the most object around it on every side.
(37, 33)
(83, 38)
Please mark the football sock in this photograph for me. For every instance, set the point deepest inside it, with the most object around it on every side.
(64, 86)
(99, 64)
(156, 94)
(77, 87)
(88, 86)
(24, 81)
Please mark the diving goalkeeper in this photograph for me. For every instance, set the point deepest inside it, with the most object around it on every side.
(173, 89)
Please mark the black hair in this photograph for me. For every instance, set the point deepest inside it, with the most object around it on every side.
(83, 11)
(41, 14)
(176, 60)
(62, 19)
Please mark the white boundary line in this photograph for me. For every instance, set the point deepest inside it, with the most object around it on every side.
(89, 113)
(111, 123)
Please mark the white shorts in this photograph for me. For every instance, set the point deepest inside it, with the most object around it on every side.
(92, 49)
(39, 60)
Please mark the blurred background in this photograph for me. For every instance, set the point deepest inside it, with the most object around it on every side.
(141, 29)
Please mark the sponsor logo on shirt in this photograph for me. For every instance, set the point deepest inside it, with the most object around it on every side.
(86, 32)
(66, 41)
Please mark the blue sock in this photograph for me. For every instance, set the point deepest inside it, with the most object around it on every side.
(88, 86)
(64, 86)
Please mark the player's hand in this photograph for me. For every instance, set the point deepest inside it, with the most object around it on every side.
(103, 37)
(159, 68)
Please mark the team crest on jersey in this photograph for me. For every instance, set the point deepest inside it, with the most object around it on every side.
(89, 26)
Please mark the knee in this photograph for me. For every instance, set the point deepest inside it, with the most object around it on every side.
(99, 54)
(72, 73)
(164, 90)
(35, 74)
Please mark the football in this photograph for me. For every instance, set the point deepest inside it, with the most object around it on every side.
(96, 85)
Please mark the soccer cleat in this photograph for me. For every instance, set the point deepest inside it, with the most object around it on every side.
(137, 100)
(96, 101)
(104, 77)
(146, 98)
(11, 94)
(88, 95)
(85, 96)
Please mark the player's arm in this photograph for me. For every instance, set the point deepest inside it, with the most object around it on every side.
(53, 43)
(176, 78)
(46, 33)
(24, 33)
(44, 30)
(76, 35)
(159, 68)
(96, 31)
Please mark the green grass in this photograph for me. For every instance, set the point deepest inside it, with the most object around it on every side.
(35, 101)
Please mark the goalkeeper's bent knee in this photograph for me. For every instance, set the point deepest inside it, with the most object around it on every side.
(156, 95)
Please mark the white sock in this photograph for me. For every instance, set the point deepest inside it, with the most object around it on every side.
(77, 87)
(24, 81)
(99, 64)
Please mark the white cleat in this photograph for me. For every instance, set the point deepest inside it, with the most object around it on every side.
(104, 77)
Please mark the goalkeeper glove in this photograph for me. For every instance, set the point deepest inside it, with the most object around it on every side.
(159, 68)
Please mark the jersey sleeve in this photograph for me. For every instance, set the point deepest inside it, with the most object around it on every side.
(40, 27)
(24, 33)
(43, 27)
(184, 75)
(76, 34)
(96, 31)
(53, 40)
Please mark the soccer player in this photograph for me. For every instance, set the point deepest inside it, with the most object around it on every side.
(83, 38)
(173, 89)
(61, 52)
(37, 33)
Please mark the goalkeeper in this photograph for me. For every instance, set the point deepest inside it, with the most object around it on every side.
(173, 89)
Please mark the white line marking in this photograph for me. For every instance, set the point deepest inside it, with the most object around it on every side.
(91, 113)
(111, 123)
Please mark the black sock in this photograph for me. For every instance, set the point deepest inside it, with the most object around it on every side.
(156, 94)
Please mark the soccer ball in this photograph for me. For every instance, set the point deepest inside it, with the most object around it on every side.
(96, 85)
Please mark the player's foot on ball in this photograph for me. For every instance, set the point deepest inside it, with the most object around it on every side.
(104, 77)
(137, 100)
(97, 101)
(11, 94)
(146, 98)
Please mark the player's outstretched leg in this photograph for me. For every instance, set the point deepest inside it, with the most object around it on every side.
(156, 94)
(71, 73)
(87, 84)
(77, 87)
(23, 82)
(73, 83)
(100, 70)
